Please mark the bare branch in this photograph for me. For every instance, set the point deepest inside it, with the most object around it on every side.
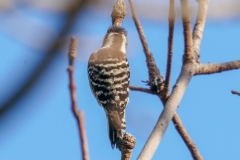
(217, 68)
(77, 113)
(235, 92)
(134, 88)
(155, 79)
(186, 138)
(188, 54)
(126, 145)
(167, 114)
(118, 12)
(178, 91)
(199, 27)
(171, 20)
(163, 96)
(178, 125)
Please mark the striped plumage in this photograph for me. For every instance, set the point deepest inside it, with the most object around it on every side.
(109, 75)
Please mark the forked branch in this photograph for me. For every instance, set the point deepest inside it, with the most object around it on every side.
(163, 95)
(77, 113)
(178, 90)
(155, 79)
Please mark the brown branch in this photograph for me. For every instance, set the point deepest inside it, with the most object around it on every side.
(145, 90)
(167, 113)
(199, 27)
(77, 113)
(217, 68)
(178, 125)
(184, 134)
(186, 138)
(177, 93)
(126, 145)
(188, 54)
(176, 120)
(171, 20)
(235, 92)
(155, 79)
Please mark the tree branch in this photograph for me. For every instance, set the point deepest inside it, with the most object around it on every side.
(178, 125)
(155, 79)
(199, 27)
(188, 54)
(217, 68)
(77, 113)
(164, 95)
(235, 92)
(145, 90)
(167, 114)
(178, 90)
(186, 138)
(171, 20)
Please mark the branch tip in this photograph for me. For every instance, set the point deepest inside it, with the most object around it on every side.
(78, 114)
(118, 13)
(72, 53)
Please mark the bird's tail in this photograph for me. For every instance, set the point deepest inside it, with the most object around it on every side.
(116, 126)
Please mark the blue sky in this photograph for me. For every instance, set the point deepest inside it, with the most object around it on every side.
(41, 125)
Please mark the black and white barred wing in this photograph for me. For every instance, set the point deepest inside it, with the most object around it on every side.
(109, 81)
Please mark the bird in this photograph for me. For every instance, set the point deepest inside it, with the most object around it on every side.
(109, 77)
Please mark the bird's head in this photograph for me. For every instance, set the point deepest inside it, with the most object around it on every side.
(116, 37)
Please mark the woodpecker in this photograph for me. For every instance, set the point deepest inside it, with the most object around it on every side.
(109, 76)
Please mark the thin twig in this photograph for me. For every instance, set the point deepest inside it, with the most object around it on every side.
(171, 20)
(145, 90)
(199, 27)
(235, 92)
(186, 138)
(188, 54)
(163, 96)
(77, 113)
(155, 78)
